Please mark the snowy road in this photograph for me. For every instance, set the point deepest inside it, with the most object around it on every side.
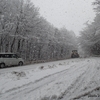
(74, 79)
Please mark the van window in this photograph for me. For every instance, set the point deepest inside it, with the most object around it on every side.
(8, 56)
(5, 56)
(0, 55)
(14, 56)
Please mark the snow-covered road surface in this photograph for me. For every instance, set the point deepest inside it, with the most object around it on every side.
(73, 79)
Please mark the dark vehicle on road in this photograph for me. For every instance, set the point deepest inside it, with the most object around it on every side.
(74, 54)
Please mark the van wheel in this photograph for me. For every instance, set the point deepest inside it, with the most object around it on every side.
(20, 63)
(2, 65)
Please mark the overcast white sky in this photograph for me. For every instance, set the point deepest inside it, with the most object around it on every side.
(71, 14)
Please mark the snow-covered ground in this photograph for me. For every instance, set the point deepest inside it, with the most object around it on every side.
(73, 79)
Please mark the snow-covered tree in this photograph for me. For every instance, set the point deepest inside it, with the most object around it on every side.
(24, 31)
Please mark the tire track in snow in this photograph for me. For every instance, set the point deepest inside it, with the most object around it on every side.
(27, 89)
(76, 88)
(31, 83)
(68, 92)
(70, 72)
(30, 87)
(91, 94)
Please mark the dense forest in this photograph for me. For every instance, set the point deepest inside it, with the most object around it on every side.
(90, 36)
(25, 32)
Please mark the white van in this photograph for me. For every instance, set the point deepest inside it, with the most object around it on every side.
(9, 59)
